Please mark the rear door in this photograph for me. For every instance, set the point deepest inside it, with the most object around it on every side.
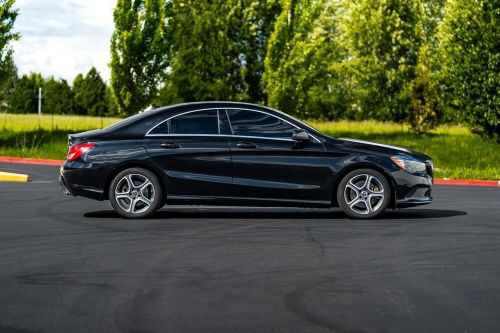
(268, 166)
(194, 156)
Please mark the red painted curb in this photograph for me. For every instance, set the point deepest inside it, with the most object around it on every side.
(34, 161)
(467, 182)
(437, 181)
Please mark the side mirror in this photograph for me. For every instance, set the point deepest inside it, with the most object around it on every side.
(301, 136)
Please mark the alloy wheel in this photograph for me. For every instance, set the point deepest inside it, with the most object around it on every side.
(135, 193)
(364, 194)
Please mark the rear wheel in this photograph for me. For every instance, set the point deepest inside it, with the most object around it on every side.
(364, 194)
(135, 193)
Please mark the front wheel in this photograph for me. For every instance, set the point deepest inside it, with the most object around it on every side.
(135, 193)
(364, 194)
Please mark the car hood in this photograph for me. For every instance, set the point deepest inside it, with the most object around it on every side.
(382, 148)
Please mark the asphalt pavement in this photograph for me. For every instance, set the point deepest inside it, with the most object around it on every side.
(72, 265)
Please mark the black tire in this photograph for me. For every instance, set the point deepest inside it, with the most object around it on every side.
(135, 202)
(364, 194)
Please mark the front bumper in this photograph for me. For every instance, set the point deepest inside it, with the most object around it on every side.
(412, 190)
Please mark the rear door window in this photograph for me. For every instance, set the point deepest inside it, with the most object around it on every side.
(192, 123)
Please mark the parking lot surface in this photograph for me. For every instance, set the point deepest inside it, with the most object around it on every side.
(72, 265)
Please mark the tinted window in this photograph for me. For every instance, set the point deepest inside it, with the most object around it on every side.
(199, 122)
(251, 123)
(225, 127)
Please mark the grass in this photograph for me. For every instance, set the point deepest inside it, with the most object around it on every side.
(30, 135)
(19, 123)
(456, 151)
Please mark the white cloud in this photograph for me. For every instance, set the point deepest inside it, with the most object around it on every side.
(64, 37)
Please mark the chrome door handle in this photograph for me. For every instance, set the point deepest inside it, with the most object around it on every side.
(170, 145)
(246, 145)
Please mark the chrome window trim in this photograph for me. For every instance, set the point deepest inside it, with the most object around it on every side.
(219, 136)
(218, 120)
(229, 119)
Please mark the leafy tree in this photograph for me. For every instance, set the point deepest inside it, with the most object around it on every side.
(424, 104)
(112, 108)
(90, 94)
(383, 38)
(218, 50)
(303, 75)
(7, 19)
(139, 52)
(8, 78)
(426, 107)
(257, 24)
(470, 61)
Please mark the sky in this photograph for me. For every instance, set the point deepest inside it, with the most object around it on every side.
(63, 38)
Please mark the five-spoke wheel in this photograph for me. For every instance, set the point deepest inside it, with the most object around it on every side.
(364, 193)
(135, 193)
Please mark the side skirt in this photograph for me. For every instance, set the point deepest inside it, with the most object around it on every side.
(230, 201)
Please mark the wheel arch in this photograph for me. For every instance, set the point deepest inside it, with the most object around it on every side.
(135, 164)
(364, 165)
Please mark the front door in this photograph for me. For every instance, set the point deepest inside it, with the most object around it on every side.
(268, 166)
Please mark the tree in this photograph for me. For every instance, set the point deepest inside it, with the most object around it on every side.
(424, 103)
(8, 78)
(470, 61)
(218, 50)
(426, 107)
(90, 94)
(139, 52)
(58, 98)
(303, 75)
(7, 19)
(24, 96)
(383, 38)
(112, 109)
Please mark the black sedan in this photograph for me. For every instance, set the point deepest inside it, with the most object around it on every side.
(226, 153)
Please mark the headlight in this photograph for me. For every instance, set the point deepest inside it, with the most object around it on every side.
(409, 164)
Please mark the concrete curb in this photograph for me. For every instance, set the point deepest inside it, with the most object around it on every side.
(437, 181)
(467, 182)
(35, 161)
(13, 177)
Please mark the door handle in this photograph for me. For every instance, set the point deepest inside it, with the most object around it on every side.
(170, 145)
(246, 145)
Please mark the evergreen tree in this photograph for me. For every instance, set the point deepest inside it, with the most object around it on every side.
(470, 61)
(24, 96)
(90, 94)
(58, 98)
(139, 52)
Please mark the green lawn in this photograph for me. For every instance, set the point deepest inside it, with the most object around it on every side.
(457, 152)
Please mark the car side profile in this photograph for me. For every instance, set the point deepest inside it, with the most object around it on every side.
(228, 153)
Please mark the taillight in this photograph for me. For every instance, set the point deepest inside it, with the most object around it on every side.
(78, 150)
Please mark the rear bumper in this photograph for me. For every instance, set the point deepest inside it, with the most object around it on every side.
(72, 182)
(63, 187)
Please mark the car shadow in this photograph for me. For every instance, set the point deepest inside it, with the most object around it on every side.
(278, 213)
